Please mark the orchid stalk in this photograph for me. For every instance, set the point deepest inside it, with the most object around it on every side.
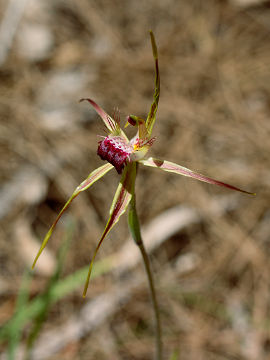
(125, 155)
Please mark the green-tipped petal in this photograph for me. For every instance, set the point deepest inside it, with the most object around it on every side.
(90, 180)
(119, 205)
(151, 118)
(177, 169)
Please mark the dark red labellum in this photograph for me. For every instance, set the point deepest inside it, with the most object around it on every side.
(115, 152)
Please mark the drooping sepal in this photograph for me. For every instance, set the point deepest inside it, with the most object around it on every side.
(119, 206)
(177, 169)
(90, 180)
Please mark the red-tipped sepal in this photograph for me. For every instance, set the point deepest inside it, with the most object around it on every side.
(177, 169)
(119, 206)
(112, 125)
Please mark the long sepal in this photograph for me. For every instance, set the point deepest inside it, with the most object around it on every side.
(119, 205)
(177, 169)
(90, 180)
(151, 118)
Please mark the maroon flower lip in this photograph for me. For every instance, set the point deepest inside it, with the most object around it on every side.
(115, 151)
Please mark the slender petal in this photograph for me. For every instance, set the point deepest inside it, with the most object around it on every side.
(151, 118)
(108, 121)
(119, 205)
(177, 169)
(112, 125)
(90, 180)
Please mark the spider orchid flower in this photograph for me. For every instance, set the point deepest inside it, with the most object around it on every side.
(123, 155)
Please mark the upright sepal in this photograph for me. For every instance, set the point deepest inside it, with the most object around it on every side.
(151, 118)
(119, 205)
(177, 169)
(90, 180)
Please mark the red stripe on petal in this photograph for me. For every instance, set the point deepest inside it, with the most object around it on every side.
(120, 203)
(181, 170)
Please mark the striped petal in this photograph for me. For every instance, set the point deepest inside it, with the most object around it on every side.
(177, 169)
(119, 205)
(90, 180)
(151, 118)
(110, 123)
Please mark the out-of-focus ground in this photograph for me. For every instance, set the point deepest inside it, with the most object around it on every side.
(213, 274)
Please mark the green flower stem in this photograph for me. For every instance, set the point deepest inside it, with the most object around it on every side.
(154, 301)
(134, 227)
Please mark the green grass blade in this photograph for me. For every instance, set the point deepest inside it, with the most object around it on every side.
(41, 317)
(58, 291)
(15, 330)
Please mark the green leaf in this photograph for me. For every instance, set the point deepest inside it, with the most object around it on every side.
(90, 180)
(119, 205)
(151, 118)
(180, 170)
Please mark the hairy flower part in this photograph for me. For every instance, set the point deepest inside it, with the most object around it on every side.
(124, 155)
(116, 151)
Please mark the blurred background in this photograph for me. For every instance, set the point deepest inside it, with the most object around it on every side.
(209, 246)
